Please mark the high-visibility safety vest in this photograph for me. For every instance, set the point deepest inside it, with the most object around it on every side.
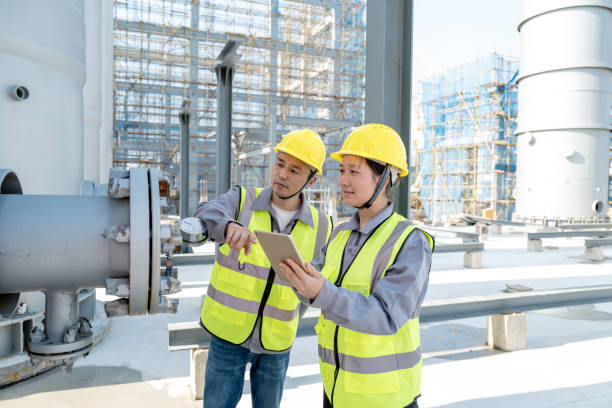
(244, 288)
(360, 369)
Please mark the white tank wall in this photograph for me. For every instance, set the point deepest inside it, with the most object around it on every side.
(565, 86)
(42, 46)
(98, 90)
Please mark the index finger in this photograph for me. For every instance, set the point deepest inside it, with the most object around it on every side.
(294, 265)
(311, 270)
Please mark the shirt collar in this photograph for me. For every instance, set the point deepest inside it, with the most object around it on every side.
(263, 203)
(353, 223)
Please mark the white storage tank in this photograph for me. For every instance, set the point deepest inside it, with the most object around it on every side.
(42, 72)
(56, 70)
(565, 88)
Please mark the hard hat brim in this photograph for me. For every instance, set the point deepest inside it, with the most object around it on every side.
(298, 156)
(338, 156)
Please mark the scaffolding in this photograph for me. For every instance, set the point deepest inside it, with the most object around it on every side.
(302, 65)
(467, 161)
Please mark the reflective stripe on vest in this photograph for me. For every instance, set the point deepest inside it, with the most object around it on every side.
(241, 287)
(372, 365)
(360, 369)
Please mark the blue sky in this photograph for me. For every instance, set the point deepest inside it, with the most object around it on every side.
(448, 33)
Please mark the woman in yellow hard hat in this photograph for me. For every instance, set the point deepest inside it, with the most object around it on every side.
(374, 276)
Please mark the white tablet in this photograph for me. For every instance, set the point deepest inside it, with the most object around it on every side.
(278, 247)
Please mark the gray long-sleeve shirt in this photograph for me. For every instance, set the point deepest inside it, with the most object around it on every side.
(397, 297)
(217, 213)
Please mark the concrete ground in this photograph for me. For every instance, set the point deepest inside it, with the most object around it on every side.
(567, 362)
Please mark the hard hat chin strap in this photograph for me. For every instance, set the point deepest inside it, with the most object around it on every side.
(312, 175)
(381, 183)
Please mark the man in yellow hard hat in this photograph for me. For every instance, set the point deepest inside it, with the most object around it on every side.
(250, 314)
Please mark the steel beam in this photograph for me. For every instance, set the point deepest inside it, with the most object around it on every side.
(461, 234)
(584, 226)
(388, 74)
(225, 75)
(253, 153)
(184, 118)
(561, 234)
(191, 335)
(332, 123)
(462, 308)
(466, 247)
(598, 242)
(482, 220)
(264, 43)
(331, 100)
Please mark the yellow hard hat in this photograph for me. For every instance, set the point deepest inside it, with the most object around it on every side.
(377, 142)
(305, 145)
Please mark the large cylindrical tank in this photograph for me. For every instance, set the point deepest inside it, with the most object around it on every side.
(42, 50)
(565, 86)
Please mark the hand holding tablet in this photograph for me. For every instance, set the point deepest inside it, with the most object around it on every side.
(277, 248)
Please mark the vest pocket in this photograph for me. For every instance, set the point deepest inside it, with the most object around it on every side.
(277, 335)
(372, 369)
(325, 333)
(382, 383)
(288, 299)
(234, 318)
(240, 284)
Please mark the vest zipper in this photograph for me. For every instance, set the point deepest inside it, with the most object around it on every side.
(337, 360)
(338, 283)
(264, 298)
(266, 293)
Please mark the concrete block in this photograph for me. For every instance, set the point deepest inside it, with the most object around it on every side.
(482, 230)
(197, 369)
(495, 229)
(534, 245)
(594, 253)
(472, 260)
(507, 332)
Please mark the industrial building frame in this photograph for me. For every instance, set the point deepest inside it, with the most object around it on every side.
(302, 65)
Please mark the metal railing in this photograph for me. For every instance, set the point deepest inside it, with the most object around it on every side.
(189, 335)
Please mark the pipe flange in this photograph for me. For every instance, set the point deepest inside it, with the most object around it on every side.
(51, 350)
(140, 255)
(63, 356)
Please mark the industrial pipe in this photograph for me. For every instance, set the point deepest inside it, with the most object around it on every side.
(42, 234)
(61, 244)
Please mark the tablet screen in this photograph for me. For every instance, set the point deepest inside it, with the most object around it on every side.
(277, 248)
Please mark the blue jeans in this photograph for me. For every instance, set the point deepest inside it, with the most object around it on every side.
(224, 377)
